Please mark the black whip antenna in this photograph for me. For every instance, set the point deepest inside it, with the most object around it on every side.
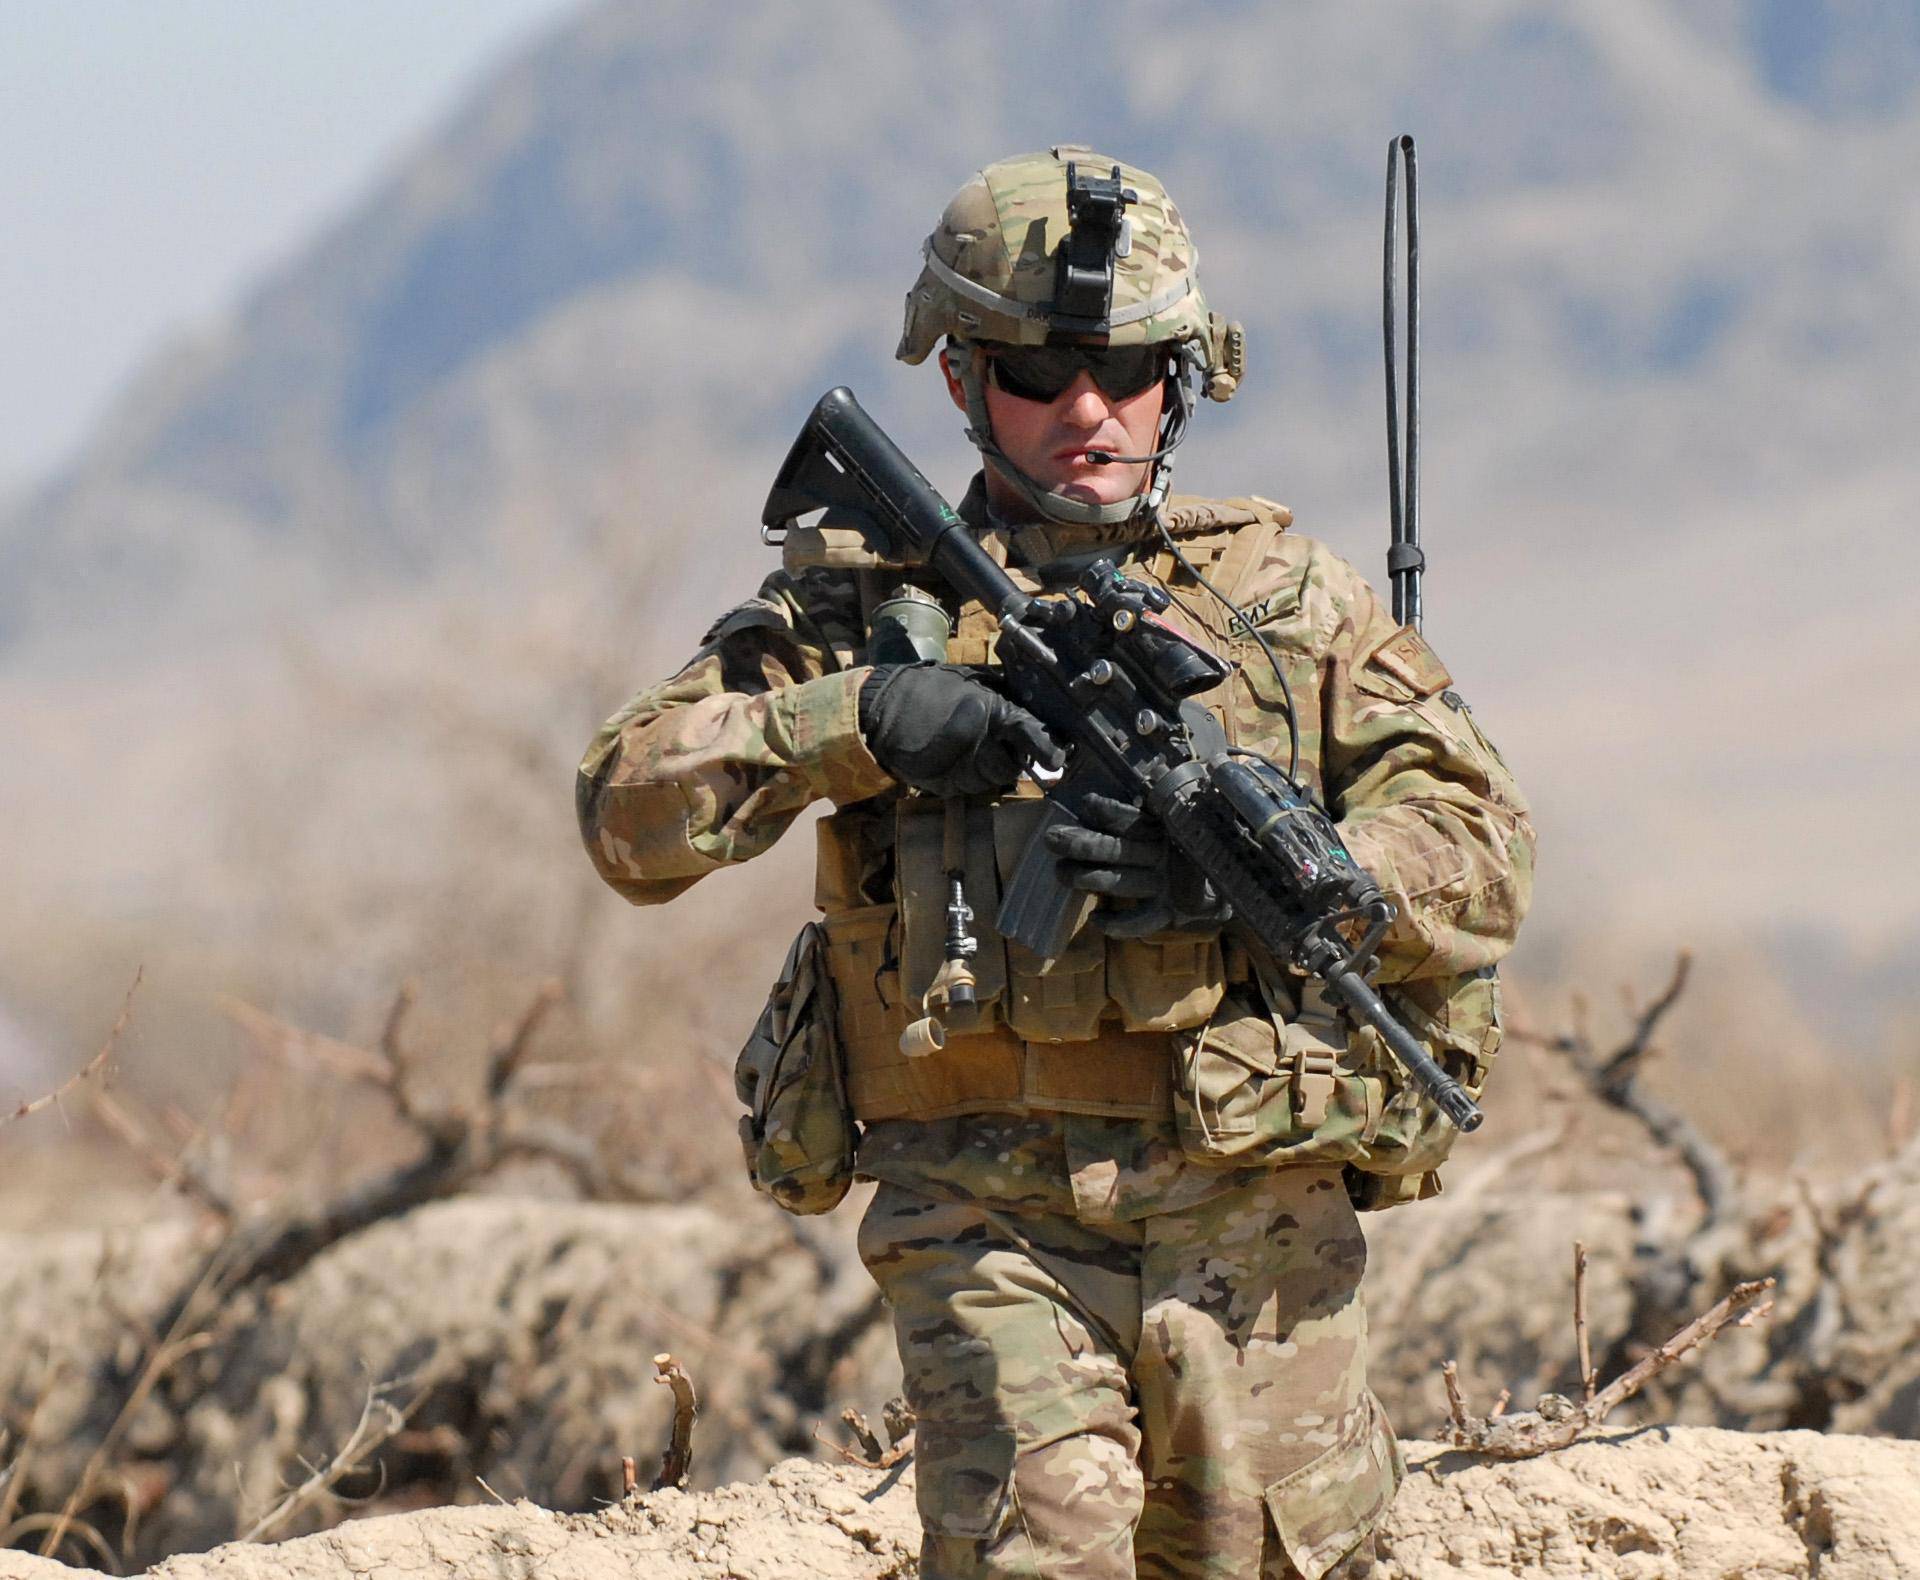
(1405, 558)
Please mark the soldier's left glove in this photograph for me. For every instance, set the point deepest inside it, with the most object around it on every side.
(940, 729)
(1122, 854)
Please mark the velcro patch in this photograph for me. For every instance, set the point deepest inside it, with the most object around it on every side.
(1406, 656)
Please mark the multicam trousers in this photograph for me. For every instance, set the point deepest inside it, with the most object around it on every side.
(1179, 1396)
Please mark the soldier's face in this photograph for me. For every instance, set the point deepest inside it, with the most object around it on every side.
(1049, 439)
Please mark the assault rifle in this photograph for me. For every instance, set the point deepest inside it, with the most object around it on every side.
(1115, 683)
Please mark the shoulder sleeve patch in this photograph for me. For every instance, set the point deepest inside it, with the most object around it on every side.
(1406, 656)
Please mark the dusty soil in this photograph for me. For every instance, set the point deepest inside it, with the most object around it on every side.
(1679, 1503)
(521, 1332)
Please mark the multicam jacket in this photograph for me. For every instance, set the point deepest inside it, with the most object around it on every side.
(711, 766)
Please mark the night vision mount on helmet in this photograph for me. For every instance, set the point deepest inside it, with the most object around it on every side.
(1036, 250)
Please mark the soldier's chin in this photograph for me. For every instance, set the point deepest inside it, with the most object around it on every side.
(1108, 486)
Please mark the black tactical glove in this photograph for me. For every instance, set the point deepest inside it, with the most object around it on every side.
(936, 728)
(1123, 854)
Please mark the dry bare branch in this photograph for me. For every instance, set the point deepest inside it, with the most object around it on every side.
(1614, 1078)
(878, 1459)
(172, 1169)
(847, 1455)
(511, 1043)
(391, 1047)
(183, 1334)
(1625, 1060)
(10, 1478)
(1456, 1403)
(864, 1434)
(61, 1528)
(13, 1484)
(1402, 1283)
(86, 1071)
(141, 1489)
(563, 1073)
(1581, 1343)
(457, 1146)
(307, 1050)
(596, 1178)
(379, 1421)
(1702, 1330)
(276, 1249)
(678, 1458)
(1559, 1422)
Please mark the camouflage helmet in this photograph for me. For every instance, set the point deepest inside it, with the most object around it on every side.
(1069, 246)
(991, 269)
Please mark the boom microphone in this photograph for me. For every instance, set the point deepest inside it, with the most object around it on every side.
(1108, 458)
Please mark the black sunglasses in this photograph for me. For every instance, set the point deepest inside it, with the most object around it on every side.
(1044, 373)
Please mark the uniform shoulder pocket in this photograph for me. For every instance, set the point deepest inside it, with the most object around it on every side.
(1403, 667)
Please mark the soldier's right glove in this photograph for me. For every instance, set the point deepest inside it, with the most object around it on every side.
(936, 728)
(1146, 887)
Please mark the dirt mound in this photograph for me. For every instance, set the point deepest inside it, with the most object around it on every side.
(1680, 1501)
(520, 1334)
(1692, 1502)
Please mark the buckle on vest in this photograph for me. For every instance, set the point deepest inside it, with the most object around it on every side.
(1312, 1078)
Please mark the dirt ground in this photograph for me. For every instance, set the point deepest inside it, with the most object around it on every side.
(1676, 1503)
(508, 1339)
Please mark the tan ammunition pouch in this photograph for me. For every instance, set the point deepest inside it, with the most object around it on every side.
(1278, 1076)
(1095, 1029)
(1269, 1078)
(1082, 1033)
(1112, 1071)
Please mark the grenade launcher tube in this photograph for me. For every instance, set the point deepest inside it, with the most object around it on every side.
(1259, 918)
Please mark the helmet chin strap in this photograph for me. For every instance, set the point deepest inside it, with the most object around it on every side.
(1057, 507)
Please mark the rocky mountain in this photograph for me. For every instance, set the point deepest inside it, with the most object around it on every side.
(530, 388)
(647, 222)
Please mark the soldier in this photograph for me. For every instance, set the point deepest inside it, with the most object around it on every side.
(1115, 1217)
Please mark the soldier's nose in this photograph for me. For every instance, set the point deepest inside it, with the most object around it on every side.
(1084, 403)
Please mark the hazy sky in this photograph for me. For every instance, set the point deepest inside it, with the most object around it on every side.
(159, 156)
